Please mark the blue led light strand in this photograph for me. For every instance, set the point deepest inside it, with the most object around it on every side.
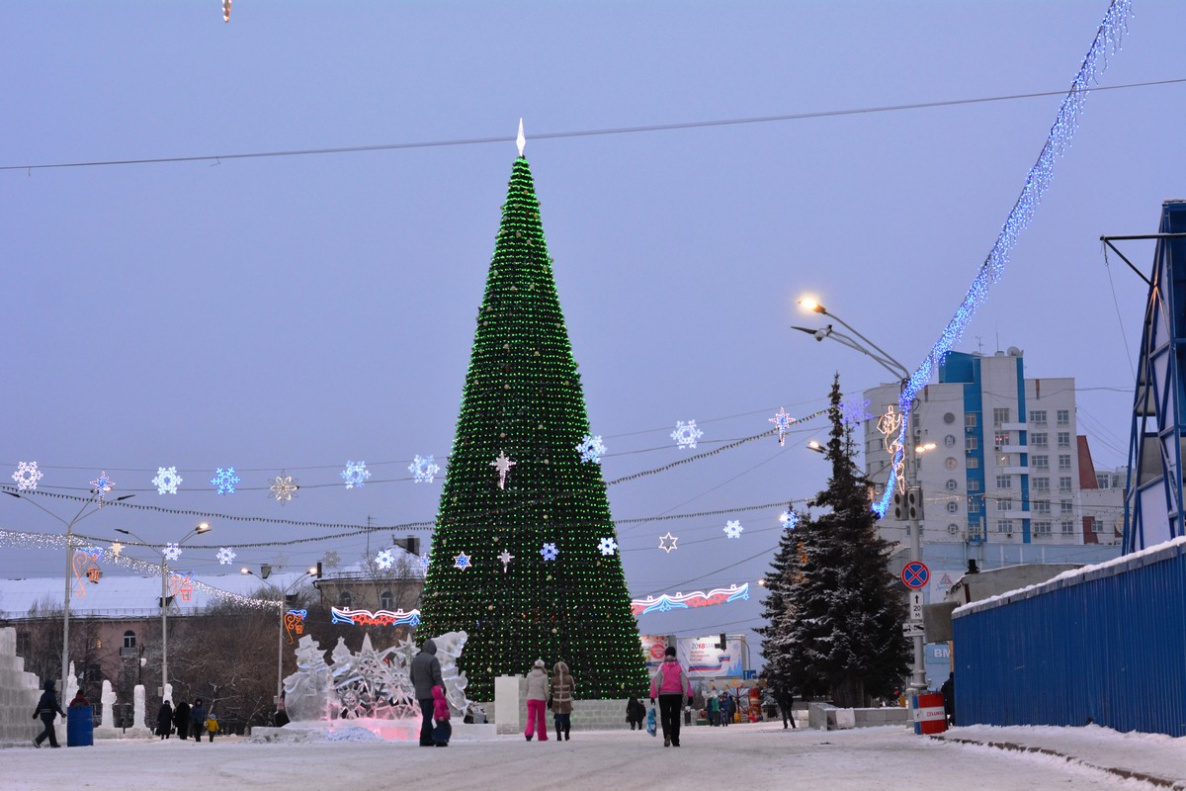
(1107, 39)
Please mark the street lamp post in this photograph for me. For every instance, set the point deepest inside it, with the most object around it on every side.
(312, 572)
(862, 344)
(201, 528)
(78, 517)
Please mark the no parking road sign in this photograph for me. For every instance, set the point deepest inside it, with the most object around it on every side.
(915, 574)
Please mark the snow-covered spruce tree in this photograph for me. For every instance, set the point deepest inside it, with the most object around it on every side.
(845, 611)
(785, 571)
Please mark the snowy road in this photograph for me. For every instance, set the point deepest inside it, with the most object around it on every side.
(744, 756)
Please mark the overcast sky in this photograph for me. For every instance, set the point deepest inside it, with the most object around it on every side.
(285, 315)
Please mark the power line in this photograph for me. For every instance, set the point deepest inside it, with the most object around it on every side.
(622, 130)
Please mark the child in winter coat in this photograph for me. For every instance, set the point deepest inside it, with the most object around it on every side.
(440, 714)
(212, 725)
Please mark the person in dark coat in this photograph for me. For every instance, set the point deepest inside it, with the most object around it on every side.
(197, 719)
(635, 713)
(181, 719)
(48, 708)
(425, 673)
(563, 689)
(164, 720)
(786, 701)
(948, 692)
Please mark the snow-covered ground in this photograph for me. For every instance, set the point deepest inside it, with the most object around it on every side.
(761, 756)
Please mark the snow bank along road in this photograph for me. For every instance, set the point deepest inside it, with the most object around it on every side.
(761, 756)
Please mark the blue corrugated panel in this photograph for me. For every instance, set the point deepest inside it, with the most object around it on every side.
(1107, 645)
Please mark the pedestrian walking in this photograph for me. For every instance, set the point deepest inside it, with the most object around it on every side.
(164, 720)
(726, 707)
(948, 691)
(537, 697)
(714, 710)
(636, 713)
(563, 688)
(212, 725)
(671, 685)
(425, 673)
(197, 719)
(440, 713)
(48, 708)
(181, 719)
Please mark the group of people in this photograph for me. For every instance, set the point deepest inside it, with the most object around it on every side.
(720, 708)
(425, 675)
(555, 693)
(186, 720)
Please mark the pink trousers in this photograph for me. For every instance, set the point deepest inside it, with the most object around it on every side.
(535, 717)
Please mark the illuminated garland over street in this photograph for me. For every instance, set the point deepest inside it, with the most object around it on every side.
(1107, 39)
(683, 601)
(377, 618)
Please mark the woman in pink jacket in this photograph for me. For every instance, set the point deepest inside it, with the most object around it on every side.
(671, 686)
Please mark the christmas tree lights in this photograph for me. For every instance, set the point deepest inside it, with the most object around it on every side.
(523, 403)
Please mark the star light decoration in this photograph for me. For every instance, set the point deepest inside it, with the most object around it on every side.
(385, 559)
(667, 542)
(591, 449)
(355, 474)
(167, 480)
(172, 551)
(506, 557)
(462, 561)
(549, 552)
(733, 529)
(224, 480)
(503, 464)
(789, 519)
(855, 411)
(423, 470)
(686, 434)
(225, 556)
(26, 476)
(782, 420)
(283, 488)
(116, 548)
(607, 546)
(102, 486)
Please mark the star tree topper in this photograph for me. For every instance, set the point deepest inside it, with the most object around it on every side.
(503, 464)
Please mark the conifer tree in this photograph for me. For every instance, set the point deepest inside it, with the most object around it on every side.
(841, 624)
(524, 553)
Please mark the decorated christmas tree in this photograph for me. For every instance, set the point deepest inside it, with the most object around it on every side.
(524, 553)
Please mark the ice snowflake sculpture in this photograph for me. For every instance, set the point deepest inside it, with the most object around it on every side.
(549, 551)
(102, 486)
(224, 480)
(733, 528)
(782, 420)
(172, 551)
(607, 546)
(283, 488)
(423, 470)
(225, 556)
(355, 474)
(166, 480)
(27, 475)
(462, 561)
(591, 449)
(686, 434)
(789, 520)
(385, 559)
(855, 411)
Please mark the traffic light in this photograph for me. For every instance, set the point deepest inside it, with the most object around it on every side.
(721, 644)
(908, 505)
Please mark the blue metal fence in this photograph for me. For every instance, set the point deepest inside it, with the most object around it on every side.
(1105, 645)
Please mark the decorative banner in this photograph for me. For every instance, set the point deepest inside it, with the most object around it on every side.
(889, 425)
(377, 618)
(683, 601)
(84, 560)
(294, 621)
(181, 585)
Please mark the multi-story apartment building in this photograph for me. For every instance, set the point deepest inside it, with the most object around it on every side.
(1005, 463)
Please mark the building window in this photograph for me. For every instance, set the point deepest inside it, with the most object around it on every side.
(1042, 528)
(953, 506)
(1000, 415)
(1064, 461)
(1005, 504)
(1005, 526)
(129, 639)
(952, 485)
(971, 443)
(1103, 481)
(1066, 507)
(1001, 438)
(1040, 484)
(949, 441)
(24, 644)
(1068, 527)
(1038, 417)
(1064, 483)
(970, 420)
(1064, 439)
(345, 600)
(1042, 507)
(972, 463)
(1038, 440)
(1040, 462)
(1004, 460)
(1004, 481)
(386, 600)
(1097, 526)
(974, 504)
(973, 485)
(1064, 417)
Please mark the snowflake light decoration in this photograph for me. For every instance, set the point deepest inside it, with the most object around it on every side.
(462, 561)
(607, 546)
(225, 556)
(166, 480)
(782, 420)
(102, 485)
(423, 470)
(503, 464)
(506, 557)
(686, 434)
(423, 559)
(355, 474)
(224, 480)
(27, 475)
(591, 449)
(283, 488)
(549, 552)
(789, 519)
(733, 529)
(667, 542)
(385, 559)
(172, 551)
(855, 411)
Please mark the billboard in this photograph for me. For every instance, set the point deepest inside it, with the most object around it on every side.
(653, 647)
(701, 657)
